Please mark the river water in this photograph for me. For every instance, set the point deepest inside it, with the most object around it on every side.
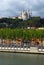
(21, 59)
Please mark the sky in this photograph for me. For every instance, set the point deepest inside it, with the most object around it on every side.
(14, 7)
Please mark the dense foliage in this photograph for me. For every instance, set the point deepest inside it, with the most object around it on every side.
(19, 23)
(25, 34)
(17, 28)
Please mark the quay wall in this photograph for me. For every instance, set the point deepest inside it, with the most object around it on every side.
(31, 50)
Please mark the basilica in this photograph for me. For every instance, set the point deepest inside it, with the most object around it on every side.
(25, 15)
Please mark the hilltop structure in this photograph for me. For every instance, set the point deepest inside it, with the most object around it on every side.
(25, 15)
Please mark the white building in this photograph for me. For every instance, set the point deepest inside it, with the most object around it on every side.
(25, 15)
(40, 28)
(12, 17)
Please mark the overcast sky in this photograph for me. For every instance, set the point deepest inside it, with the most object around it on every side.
(13, 7)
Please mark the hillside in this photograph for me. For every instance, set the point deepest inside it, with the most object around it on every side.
(18, 23)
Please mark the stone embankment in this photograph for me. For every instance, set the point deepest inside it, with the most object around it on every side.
(32, 50)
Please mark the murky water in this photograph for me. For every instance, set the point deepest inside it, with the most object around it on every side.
(21, 59)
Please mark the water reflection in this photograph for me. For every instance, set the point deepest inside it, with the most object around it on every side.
(21, 59)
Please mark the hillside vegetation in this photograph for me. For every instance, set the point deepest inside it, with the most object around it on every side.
(19, 23)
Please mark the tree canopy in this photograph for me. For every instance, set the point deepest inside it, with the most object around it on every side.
(19, 23)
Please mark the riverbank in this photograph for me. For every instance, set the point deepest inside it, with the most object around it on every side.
(31, 50)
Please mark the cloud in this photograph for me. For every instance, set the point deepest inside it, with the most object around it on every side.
(13, 7)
